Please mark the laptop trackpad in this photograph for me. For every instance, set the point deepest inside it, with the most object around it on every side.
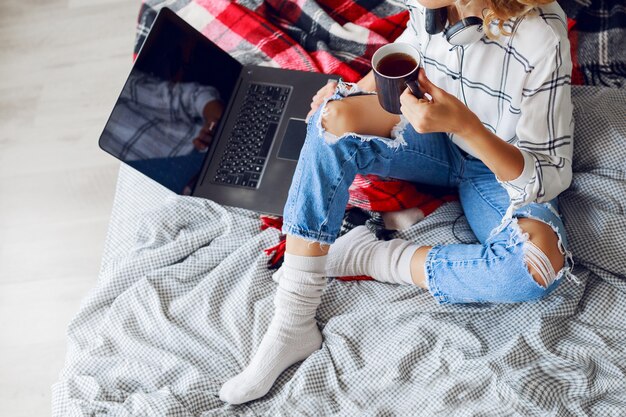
(293, 140)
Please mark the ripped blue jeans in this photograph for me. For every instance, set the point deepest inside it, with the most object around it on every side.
(493, 270)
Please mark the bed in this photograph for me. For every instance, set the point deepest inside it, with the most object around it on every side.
(185, 294)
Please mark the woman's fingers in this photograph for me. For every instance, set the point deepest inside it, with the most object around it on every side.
(407, 99)
(331, 84)
(322, 94)
(417, 111)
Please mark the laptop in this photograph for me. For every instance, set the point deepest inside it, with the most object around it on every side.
(194, 119)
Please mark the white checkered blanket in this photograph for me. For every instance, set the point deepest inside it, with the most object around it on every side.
(184, 297)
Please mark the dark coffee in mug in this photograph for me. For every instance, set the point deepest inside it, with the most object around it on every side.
(396, 65)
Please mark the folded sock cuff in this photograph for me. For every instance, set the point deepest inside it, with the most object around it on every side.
(404, 264)
(314, 264)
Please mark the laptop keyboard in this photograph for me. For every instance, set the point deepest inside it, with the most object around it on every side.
(250, 140)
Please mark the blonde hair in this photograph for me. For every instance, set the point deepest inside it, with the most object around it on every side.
(500, 11)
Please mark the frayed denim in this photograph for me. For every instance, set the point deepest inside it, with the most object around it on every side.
(494, 270)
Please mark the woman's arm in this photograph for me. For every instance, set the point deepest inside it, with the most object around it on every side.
(545, 130)
(539, 167)
(446, 113)
(506, 161)
(212, 113)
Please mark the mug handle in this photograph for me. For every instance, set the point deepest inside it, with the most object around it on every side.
(415, 88)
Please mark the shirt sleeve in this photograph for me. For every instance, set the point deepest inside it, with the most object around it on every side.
(192, 97)
(413, 26)
(183, 101)
(544, 131)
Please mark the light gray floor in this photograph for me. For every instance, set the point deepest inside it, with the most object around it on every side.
(62, 64)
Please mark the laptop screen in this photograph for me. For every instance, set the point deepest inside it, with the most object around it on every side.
(171, 104)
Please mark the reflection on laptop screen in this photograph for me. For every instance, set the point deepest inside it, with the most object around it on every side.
(171, 104)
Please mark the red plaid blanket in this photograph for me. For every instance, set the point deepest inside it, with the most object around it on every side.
(329, 36)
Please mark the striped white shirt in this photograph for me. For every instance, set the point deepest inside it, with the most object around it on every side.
(518, 86)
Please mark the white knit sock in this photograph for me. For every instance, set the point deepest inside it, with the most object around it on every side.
(358, 252)
(292, 334)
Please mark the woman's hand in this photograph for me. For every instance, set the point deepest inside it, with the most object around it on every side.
(443, 113)
(322, 94)
(212, 113)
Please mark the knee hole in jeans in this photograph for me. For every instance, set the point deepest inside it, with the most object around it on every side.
(542, 254)
(337, 118)
(539, 265)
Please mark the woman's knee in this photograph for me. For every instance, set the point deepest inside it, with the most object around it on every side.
(530, 273)
(360, 115)
(542, 255)
(338, 118)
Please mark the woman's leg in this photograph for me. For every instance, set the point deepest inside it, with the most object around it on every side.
(313, 213)
(328, 164)
(516, 258)
(359, 114)
(510, 264)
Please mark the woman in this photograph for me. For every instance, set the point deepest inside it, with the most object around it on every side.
(504, 102)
